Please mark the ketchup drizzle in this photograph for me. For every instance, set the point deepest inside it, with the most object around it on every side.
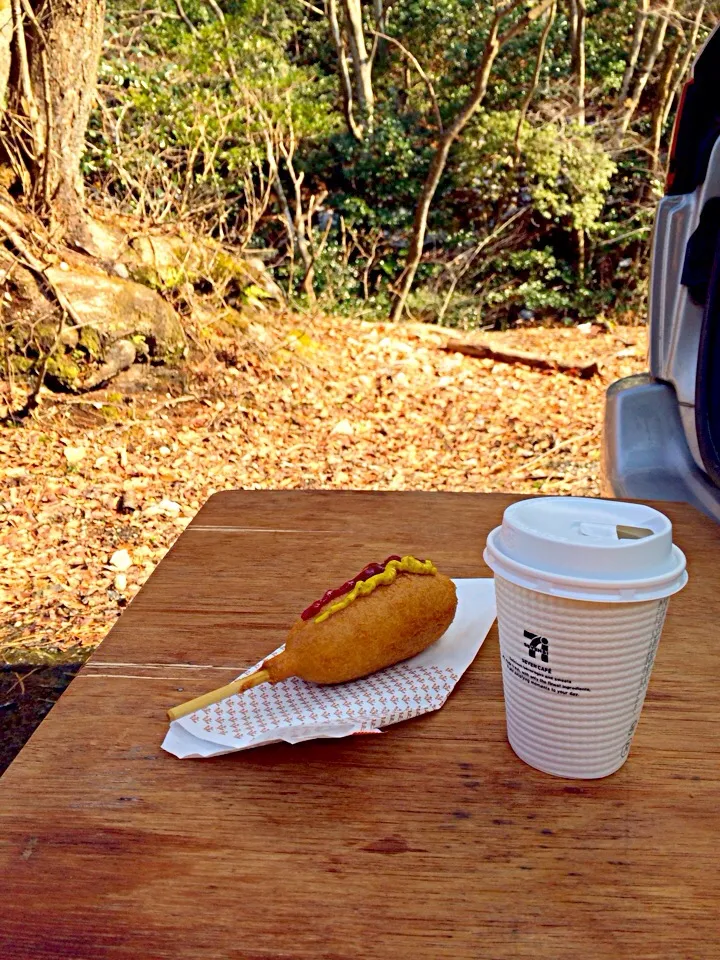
(371, 570)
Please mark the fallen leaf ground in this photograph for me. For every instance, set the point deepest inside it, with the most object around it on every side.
(95, 489)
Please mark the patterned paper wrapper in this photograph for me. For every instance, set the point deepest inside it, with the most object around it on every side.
(293, 711)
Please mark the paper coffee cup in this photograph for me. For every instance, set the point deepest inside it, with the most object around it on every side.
(582, 590)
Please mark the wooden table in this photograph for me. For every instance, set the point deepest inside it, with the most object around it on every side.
(430, 841)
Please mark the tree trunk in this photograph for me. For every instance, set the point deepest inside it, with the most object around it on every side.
(380, 44)
(55, 51)
(638, 34)
(362, 64)
(664, 93)
(493, 44)
(573, 26)
(656, 46)
(6, 32)
(344, 68)
(578, 57)
(690, 52)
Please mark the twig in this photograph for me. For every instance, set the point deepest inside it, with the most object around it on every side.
(215, 7)
(535, 80)
(561, 446)
(185, 18)
(186, 398)
(311, 6)
(30, 261)
(470, 259)
(47, 96)
(423, 76)
(32, 401)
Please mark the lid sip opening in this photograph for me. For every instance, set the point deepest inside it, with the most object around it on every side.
(619, 531)
(587, 549)
(632, 533)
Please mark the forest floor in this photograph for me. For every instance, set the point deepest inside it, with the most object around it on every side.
(95, 489)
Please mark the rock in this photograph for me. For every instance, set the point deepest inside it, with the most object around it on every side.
(343, 428)
(21, 288)
(74, 455)
(262, 278)
(249, 274)
(102, 240)
(127, 503)
(121, 561)
(121, 310)
(119, 356)
(120, 270)
(171, 262)
(163, 261)
(69, 337)
(91, 343)
(63, 370)
(166, 508)
(120, 582)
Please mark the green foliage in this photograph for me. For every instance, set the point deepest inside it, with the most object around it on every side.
(570, 174)
(563, 171)
(187, 116)
(233, 125)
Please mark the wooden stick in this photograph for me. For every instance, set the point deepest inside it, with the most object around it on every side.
(237, 686)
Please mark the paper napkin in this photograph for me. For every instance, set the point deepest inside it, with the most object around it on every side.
(294, 710)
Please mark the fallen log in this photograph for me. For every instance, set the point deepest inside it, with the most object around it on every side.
(483, 351)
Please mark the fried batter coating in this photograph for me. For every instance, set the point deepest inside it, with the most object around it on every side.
(393, 623)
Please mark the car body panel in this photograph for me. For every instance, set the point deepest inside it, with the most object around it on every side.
(645, 451)
(651, 447)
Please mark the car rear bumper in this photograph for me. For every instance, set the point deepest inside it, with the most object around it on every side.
(645, 452)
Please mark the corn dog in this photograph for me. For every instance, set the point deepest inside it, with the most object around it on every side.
(389, 612)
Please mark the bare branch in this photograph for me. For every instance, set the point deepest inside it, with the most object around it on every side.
(215, 7)
(578, 57)
(469, 258)
(423, 76)
(684, 67)
(185, 18)
(535, 80)
(311, 6)
(656, 45)
(638, 34)
(493, 44)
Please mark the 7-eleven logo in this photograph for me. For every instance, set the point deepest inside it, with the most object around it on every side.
(537, 646)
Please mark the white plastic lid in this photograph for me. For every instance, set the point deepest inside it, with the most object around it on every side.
(587, 549)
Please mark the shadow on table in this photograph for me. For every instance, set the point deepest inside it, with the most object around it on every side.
(27, 694)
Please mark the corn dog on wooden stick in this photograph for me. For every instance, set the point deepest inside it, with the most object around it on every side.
(388, 613)
(207, 699)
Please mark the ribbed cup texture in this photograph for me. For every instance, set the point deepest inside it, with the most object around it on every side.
(575, 675)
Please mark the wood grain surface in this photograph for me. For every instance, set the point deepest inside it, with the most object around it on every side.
(429, 841)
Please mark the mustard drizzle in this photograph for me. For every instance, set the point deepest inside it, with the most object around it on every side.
(389, 574)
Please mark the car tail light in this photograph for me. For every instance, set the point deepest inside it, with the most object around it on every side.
(673, 145)
(697, 123)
